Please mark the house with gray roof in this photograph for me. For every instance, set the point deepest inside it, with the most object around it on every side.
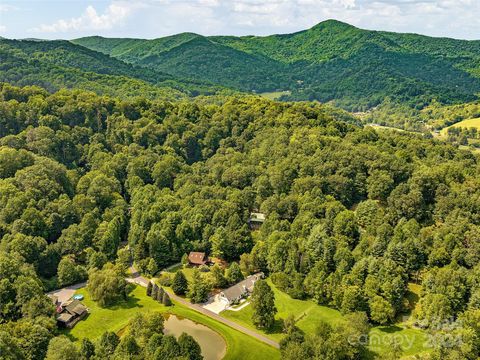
(240, 290)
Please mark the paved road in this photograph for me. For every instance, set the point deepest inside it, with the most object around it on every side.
(143, 282)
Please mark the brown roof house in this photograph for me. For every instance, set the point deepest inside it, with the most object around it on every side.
(70, 313)
(241, 290)
(197, 258)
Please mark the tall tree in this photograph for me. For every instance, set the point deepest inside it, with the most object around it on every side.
(263, 304)
(179, 283)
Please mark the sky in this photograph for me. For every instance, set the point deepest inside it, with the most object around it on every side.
(156, 18)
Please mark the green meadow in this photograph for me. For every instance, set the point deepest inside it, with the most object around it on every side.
(310, 315)
(116, 318)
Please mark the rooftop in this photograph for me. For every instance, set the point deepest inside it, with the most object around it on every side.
(256, 216)
(198, 258)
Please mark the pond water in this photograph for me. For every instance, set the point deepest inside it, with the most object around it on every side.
(212, 344)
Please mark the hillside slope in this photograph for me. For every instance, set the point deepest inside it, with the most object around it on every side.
(59, 64)
(333, 61)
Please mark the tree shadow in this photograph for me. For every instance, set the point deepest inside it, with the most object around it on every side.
(368, 354)
(390, 329)
(277, 327)
(69, 335)
(130, 303)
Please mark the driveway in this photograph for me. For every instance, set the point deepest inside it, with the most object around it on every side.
(211, 314)
(225, 321)
(66, 293)
(215, 304)
(136, 278)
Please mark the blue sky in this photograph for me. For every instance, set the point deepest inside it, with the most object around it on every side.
(155, 18)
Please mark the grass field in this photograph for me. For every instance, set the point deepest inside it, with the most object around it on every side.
(311, 314)
(274, 95)
(470, 123)
(115, 318)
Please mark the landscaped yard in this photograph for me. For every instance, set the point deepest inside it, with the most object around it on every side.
(311, 314)
(115, 318)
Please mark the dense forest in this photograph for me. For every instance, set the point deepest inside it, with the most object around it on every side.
(58, 64)
(401, 80)
(333, 61)
(352, 214)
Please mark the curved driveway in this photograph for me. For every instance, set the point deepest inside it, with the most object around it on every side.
(140, 280)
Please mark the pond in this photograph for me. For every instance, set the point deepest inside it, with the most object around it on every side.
(212, 344)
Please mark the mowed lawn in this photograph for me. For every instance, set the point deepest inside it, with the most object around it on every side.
(469, 123)
(116, 318)
(275, 94)
(310, 315)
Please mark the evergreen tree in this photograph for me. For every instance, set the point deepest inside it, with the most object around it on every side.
(87, 349)
(263, 304)
(149, 288)
(160, 293)
(154, 291)
(198, 288)
(166, 299)
(179, 283)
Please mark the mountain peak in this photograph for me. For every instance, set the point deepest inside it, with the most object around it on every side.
(332, 24)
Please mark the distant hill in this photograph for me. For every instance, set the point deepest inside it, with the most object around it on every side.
(333, 61)
(58, 64)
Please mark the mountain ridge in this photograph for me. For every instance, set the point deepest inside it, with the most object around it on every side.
(306, 64)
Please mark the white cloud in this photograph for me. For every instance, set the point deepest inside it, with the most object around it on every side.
(3, 28)
(347, 4)
(7, 7)
(115, 13)
(156, 18)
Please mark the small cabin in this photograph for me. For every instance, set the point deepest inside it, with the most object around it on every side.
(256, 220)
(70, 313)
(197, 258)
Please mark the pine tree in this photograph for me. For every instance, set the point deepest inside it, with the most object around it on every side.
(154, 291)
(180, 283)
(149, 288)
(166, 299)
(263, 304)
(160, 293)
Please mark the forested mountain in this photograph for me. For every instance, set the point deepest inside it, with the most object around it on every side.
(353, 214)
(354, 68)
(333, 61)
(57, 64)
